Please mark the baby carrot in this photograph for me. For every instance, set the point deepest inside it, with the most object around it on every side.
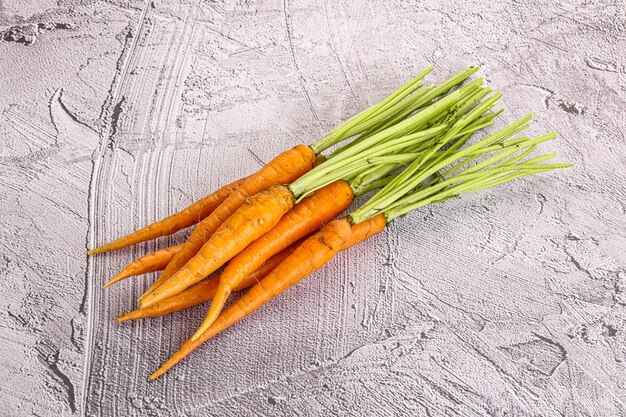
(364, 230)
(314, 252)
(155, 261)
(188, 216)
(204, 290)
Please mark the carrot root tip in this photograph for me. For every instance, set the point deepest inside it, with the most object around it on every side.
(131, 315)
(198, 333)
(156, 374)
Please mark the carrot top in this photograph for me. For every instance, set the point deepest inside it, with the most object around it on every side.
(436, 175)
(413, 133)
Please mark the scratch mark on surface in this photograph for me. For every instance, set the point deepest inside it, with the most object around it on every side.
(73, 337)
(603, 65)
(550, 93)
(256, 158)
(116, 114)
(334, 50)
(542, 201)
(571, 107)
(50, 361)
(549, 44)
(58, 96)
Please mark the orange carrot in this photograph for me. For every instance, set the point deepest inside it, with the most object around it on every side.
(314, 252)
(364, 230)
(155, 261)
(204, 290)
(252, 220)
(192, 296)
(190, 215)
(305, 218)
(284, 169)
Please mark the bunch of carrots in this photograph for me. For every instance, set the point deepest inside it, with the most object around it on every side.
(275, 227)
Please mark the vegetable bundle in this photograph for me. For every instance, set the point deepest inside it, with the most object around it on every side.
(275, 227)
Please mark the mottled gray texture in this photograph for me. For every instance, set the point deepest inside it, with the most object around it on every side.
(509, 301)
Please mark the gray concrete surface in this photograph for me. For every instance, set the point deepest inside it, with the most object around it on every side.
(509, 301)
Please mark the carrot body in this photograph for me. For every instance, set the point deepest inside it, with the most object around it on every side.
(284, 169)
(192, 296)
(190, 215)
(364, 230)
(314, 252)
(204, 290)
(305, 218)
(252, 220)
(155, 261)
(294, 269)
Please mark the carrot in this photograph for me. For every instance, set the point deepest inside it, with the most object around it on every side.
(252, 220)
(345, 165)
(155, 261)
(305, 217)
(384, 113)
(283, 169)
(192, 296)
(314, 252)
(188, 216)
(204, 290)
(364, 230)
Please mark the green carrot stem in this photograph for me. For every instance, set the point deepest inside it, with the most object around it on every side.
(359, 162)
(408, 179)
(341, 132)
(473, 182)
(369, 179)
(420, 100)
(310, 180)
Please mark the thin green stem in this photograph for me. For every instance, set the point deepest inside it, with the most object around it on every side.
(308, 182)
(331, 171)
(395, 115)
(340, 132)
(408, 179)
(471, 182)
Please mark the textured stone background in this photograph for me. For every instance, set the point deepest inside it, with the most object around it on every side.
(509, 301)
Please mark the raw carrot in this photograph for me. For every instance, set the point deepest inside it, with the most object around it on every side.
(188, 216)
(283, 169)
(253, 219)
(345, 165)
(306, 217)
(366, 229)
(192, 296)
(204, 290)
(155, 261)
(394, 109)
(314, 252)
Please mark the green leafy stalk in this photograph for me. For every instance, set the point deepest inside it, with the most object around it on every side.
(329, 170)
(418, 101)
(414, 174)
(351, 126)
(412, 188)
(372, 177)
